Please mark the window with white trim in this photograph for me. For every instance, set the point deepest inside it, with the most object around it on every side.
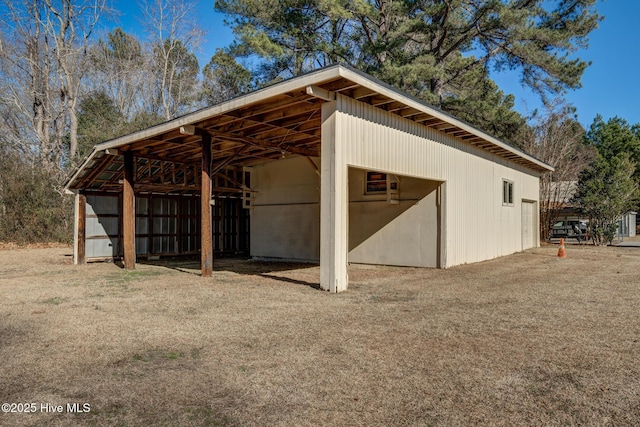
(507, 192)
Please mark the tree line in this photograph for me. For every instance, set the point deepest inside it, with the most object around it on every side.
(67, 87)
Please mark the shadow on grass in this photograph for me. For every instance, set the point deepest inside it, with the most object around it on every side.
(294, 281)
(244, 266)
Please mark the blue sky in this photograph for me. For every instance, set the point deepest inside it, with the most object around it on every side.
(609, 86)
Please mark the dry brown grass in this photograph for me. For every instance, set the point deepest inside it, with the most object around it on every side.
(528, 339)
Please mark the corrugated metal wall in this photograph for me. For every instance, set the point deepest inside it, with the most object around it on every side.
(165, 225)
(102, 226)
(478, 226)
(285, 217)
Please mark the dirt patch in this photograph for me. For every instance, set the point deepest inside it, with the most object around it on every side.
(528, 339)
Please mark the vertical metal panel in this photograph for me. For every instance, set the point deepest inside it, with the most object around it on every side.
(102, 226)
(479, 227)
(632, 223)
(528, 225)
(334, 199)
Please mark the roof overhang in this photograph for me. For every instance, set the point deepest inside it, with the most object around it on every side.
(280, 120)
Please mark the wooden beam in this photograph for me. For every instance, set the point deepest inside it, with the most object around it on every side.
(340, 85)
(229, 159)
(442, 127)
(226, 190)
(81, 241)
(321, 93)
(164, 188)
(300, 125)
(206, 242)
(394, 107)
(256, 110)
(422, 118)
(128, 213)
(459, 132)
(409, 112)
(379, 101)
(290, 118)
(267, 145)
(432, 122)
(275, 118)
(314, 166)
(152, 156)
(231, 180)
(99, 165)
(362, 92)
(263, 115)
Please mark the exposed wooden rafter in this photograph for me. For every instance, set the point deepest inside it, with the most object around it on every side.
(257, 128)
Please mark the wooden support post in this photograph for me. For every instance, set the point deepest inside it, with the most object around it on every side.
(334, 204)
(128, 213)
(81, 235)
(206, 243)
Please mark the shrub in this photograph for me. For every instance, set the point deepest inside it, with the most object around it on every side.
(33, 208)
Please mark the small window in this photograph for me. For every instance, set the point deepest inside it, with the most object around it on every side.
(507, 193)
(377, 183)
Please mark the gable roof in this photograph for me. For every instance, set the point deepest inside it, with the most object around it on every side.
(266, 124)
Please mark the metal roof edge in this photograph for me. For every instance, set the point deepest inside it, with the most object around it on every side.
(294, 83)
(310, 78)
(74, 175)
(303, 80)
(363, 78)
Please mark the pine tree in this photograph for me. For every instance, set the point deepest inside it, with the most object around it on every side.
(441, 51)
(606, 191)
(615, 137)
(223, 78)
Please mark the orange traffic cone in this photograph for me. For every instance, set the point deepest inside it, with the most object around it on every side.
(561, 251)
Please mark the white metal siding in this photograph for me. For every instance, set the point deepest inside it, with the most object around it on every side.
(474, 224)
(478, 226)
(285, 218)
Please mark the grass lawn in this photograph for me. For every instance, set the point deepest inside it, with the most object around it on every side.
(528, 339)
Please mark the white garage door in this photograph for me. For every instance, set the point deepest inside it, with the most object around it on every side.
(528, 225)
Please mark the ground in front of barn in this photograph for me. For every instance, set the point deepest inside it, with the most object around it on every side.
(527, 339)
